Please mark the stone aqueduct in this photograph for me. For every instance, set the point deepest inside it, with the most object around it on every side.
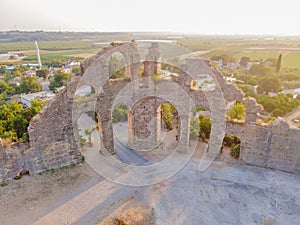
(52, 133)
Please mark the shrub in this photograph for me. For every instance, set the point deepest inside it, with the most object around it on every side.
(235, 151)
(82, 141)
(237, 111)
(120, 114)
(205, 126)
(3, 183)
(200, 127)
(167, 111)
(230, 140)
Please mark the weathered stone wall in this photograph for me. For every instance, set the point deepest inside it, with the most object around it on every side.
(52, 142)
(274, 147)
(104, 109)
(146, 123)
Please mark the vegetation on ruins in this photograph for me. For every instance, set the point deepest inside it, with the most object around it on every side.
(235, 151)
(237, 111)
(167, 113)
(234, 143)
(200, 127)
(120, 114)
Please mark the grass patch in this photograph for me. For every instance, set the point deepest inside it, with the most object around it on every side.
(3, 184)
(46, 45)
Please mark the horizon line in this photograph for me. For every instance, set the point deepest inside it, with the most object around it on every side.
(148, 31)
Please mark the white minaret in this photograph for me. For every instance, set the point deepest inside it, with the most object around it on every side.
(38, 54)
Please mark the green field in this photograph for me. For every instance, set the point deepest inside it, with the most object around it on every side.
(57, 54)
(257, 48)
(46, 45)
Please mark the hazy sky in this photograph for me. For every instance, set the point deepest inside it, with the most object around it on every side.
(207, 17)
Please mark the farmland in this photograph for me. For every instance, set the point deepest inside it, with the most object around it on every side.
(66, 46)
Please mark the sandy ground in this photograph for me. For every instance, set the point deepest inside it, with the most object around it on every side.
(228, 192)
(25, 200)
(223, 194)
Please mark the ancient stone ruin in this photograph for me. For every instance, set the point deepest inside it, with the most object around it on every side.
(52, 133)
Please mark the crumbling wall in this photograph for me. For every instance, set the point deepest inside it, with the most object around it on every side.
(52, 142)
(53, 145)
(276, 146)
(51, 136)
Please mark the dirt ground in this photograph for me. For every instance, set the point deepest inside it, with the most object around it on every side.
(24, 201)
(228, 192)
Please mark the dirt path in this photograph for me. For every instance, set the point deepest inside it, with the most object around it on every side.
(223, 194)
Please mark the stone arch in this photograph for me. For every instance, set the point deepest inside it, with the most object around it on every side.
(95, 70)
(146, 122)
(96, 74)
(131, 97)
(108, 89)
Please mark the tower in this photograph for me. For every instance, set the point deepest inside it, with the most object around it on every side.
(38, 54)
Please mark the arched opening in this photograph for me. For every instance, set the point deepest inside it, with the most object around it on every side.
(169, 125)
(231, 147)
(84, 92)
(203, 82)
(118, 67)
(155, 128)
(200, 129)
(120, 122)
(88, 130)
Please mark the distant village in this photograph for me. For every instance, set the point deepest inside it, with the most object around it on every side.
(36, 70)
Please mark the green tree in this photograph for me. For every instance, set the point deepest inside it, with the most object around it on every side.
(200, 127)
(19, 125)
(58, 80)
(230, 140)
(3, 97)
(5, 87)
(14, 119)
(120, 114)
(76, 69)
(10, 117)
(278, 65)
(167, 111)
(244, 61)
(16, 73)
(261, 69)
(269, 84)
(43, 73)
(205, 126)
(235, 151)
(237, 111)
(278, 105)
(29, 84)
(36, 105)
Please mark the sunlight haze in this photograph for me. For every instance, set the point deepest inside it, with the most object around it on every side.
(206, 17)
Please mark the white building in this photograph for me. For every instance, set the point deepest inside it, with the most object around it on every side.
(26, 99)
